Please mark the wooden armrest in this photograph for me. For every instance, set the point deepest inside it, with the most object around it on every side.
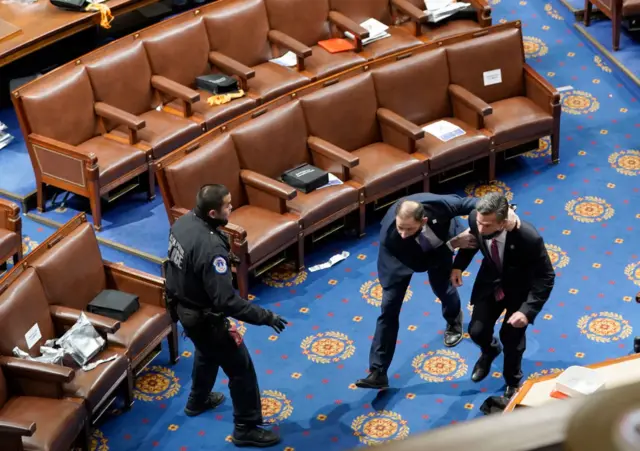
(149, 288)
(333, 152)
(38, 371)
(11, 208)
(549, 89)
(68, 316)
(174, 89)
(279, 38)
(237, 232)
(231, 66)
(484, 12)
(63, 148)
(415, 13)
(117, 115)
(475, 103)
(267, 184)
(17, 427)
(400, 124)
(346, 24)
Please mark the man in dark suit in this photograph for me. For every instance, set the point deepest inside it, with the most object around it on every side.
(419, 233)
(516, 274)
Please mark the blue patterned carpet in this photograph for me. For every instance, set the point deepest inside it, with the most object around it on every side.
(588, 210)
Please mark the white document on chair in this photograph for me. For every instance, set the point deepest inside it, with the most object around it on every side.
(443, 130)
(32, 336)
(289, 59)
(377, 30)
(492, 77)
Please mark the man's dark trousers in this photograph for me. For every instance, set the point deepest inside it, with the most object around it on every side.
(214, 349)
(384, 340)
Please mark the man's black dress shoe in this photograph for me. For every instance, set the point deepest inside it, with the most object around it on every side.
(376, 380)
(483, 365)
(453, 332)
(510, 391)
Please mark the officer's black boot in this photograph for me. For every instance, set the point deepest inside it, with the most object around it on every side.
(453, 332)
(246, 435)
(376, 379)
(197, 407)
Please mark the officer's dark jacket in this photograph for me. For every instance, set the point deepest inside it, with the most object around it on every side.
(198, 273)
(400, 257)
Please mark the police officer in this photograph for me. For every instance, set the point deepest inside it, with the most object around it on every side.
(419, 233)
(201, 295)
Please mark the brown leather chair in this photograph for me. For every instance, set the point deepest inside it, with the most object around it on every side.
(616, 11)
(68, 145)
(310, 22)
(358, 11)
(23, 303)
(282, 135)
(418, 89)
(72, 272)
(447, 28)
(179, 52)
(525, 106)
(128, 95)
(346, 117)
(259, 226)
(30, 421)
(241, 44)
(10, 233)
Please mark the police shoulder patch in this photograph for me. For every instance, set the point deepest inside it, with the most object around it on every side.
(220, 265)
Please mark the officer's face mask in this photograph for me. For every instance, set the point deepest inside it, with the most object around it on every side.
(409, 227)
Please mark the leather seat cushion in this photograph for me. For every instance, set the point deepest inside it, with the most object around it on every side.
(95, 384)
(517, 118)
(266, 231)
(140, 329)
(115, 159)
(321, 63)
(448, 29)
(9, 244)
(630, 8)
(322, 203)
(272, 80)
(399, 40)
(217, 114)
(462, 149)
(384, 168)
(165, 131)
(58, 421)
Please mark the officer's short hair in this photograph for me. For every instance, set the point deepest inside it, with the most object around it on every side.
(410, 209)
(211, 197)
(494, 202)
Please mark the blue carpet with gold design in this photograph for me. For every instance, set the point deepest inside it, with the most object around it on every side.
(587, 208)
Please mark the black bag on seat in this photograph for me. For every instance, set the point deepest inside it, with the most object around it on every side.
(114, 304)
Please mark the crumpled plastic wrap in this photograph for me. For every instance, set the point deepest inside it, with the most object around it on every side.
(49, 354)
(82, 341)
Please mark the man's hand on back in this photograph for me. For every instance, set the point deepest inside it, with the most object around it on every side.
(464, 241)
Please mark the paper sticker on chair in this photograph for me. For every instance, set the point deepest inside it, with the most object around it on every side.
(443, 130)
(32, 336)
(492, 77)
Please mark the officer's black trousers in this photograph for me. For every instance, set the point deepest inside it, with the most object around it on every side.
(384, 341)
(214, 349)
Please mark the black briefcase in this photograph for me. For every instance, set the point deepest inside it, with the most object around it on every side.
(217, 83)
(114, 304)
(305, 177)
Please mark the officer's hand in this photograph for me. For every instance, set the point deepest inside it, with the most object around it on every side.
(456, 278)
(464, 241)
(277, 322)
(513, 221)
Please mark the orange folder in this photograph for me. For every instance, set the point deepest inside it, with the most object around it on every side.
(337, 45)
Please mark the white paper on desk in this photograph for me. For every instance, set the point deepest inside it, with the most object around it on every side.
(333, 180)
(332, 261)
(289, 59)
(492, 77)
(434, 5)
(377, 30)
(32, 336)
(443, 130)
(5, 139)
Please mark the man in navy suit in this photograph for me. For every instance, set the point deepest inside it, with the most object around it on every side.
(516, 275)
(419, 233)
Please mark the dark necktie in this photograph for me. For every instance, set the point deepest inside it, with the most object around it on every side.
(495, 255)
(425, 245)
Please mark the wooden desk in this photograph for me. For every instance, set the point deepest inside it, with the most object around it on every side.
(41, 24)
(616, 372)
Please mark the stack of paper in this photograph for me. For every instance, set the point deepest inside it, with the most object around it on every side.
(377, 30)
(579, 381)
(333, 180)
(5, 138)
(443, 130)
(289, 59)
(438, 10)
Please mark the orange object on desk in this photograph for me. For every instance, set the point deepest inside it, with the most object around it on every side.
(337, 45)
(559, 395)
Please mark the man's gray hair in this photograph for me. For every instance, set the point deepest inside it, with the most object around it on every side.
(494, 203)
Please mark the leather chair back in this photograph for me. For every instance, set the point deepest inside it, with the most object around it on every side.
(61, 106)
(361, 10)
(23, 305)
(344, 114)
(471, 59)
(186, 176)
(416, 88)
(238, 29)
(304, 20)
(274, 142)
(72, 271)
(4, 390)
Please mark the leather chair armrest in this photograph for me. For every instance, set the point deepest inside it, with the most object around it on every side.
(400, 124)
(12, 427)
(484, 12)
(333, 152)
(11, 208)
(346, 24)
(540, 91)
(167, 86)
(60, 147)
(39, 371)
(470, 100)
(236, 232)
(10, 216)
(117, 115)
(68, 316)
(267, 184)
(279, 38)
(415, 13)
(149, 288)
(231, 66)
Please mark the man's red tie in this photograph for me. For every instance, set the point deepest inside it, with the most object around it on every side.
(495, 255)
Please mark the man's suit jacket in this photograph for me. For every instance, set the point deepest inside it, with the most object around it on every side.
(527, 275)
(400, 258)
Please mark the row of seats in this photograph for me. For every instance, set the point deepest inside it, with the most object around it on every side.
(10, 233)
(46, 406)
(96, 124)
(368, 131)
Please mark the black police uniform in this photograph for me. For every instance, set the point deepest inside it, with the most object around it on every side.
(199, 284)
